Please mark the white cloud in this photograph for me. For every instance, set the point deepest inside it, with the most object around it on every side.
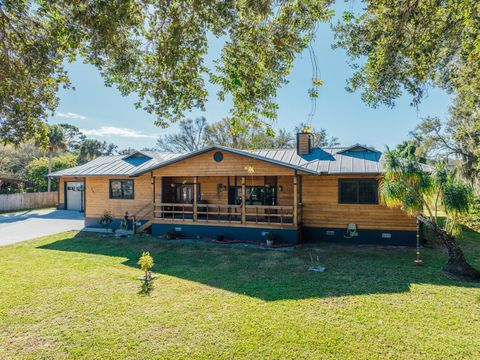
(116, 131)
(71, 115)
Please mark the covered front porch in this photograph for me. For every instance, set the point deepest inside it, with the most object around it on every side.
(235, 201)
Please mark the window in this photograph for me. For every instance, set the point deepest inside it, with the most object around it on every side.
(255, 195)
(184, 194)
(218, 156)
(121, 189)
(357, 191)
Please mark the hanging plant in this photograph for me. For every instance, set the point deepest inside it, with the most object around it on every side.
(250, 170)
(220, 188)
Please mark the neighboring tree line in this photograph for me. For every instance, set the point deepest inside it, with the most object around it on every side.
(196, 134)
(66, 147)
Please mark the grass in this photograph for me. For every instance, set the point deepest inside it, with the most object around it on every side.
(76, 295)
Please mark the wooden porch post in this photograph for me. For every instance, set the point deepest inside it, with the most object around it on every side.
(244, 194)
(152, 180)
(195, 195)
(295, 200)
(159, 197)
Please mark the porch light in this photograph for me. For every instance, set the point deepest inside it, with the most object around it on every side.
(280, 188)
(172, 185)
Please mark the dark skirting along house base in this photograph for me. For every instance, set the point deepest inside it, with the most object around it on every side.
(374, 237)
(254, 234)
(281, 236)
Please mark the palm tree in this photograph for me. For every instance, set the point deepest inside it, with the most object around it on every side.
(56, 142)
(90, 149)
(418, 192)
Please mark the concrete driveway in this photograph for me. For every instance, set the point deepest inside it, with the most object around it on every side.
(35, 223)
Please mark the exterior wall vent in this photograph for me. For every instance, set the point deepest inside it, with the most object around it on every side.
(330, 233)
(304, 143)
(386, 235)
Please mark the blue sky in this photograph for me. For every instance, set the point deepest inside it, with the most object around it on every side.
(106, 115)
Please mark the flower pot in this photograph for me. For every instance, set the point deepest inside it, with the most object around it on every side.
(269, 242)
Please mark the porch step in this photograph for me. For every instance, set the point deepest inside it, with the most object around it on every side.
(144, 227)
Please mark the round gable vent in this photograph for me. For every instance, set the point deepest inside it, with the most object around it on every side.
(218, 156)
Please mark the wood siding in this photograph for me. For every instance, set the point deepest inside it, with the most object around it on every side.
(321, 208)
(232, 164)
(97, 197)
(208, 189)
(285, 196)
(319, 195)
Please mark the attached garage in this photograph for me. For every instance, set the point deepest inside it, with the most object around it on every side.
(74, 199)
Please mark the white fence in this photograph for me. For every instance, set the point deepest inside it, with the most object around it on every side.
(25, 201)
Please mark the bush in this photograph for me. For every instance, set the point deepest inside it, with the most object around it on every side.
(472, 220)
(146, 264)
(170, 235)
(38, 168)
(106, 220)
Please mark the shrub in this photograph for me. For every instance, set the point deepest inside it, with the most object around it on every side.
(472, 219)
(37, 169)
(106, 220)
(170, 235)
(146, 264)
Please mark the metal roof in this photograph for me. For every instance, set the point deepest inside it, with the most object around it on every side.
(117, 165)
(321, 161)
(330, 161)
(250, 154)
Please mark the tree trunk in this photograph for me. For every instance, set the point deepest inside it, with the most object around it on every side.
(456, 266)
(49, 179)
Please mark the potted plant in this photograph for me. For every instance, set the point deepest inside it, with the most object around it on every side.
(270, 239)
(170, 235)
(106, 220)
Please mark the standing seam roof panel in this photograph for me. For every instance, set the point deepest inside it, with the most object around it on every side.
(320, 161)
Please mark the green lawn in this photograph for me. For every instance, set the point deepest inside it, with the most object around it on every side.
(76, 295)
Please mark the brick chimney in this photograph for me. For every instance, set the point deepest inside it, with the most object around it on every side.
(304, 143)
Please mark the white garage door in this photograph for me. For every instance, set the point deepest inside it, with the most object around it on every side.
(74, 195)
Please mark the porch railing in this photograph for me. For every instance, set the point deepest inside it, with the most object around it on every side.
(173, 211)
(220, 213)
(264, 214)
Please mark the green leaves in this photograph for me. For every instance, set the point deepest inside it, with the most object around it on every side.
(37, 168)
(456, 197)
(153, 49)
(407, 185)
(145, 261)
(409, 45)
(348, 16)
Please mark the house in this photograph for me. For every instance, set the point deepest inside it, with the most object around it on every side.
(297, 195)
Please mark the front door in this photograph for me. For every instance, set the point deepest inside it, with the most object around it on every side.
(184, 194)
